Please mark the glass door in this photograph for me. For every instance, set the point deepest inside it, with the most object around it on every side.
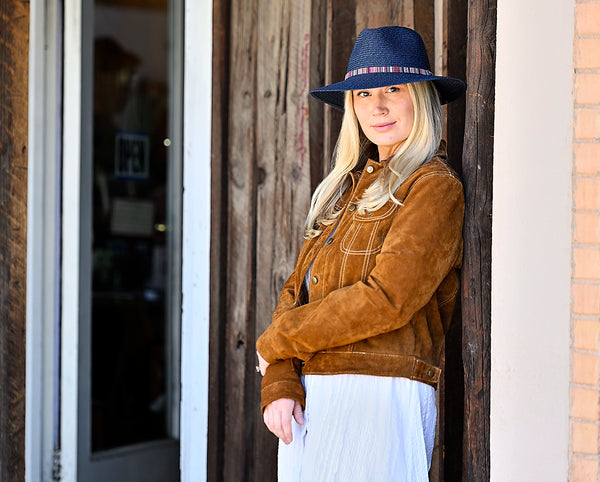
(130, 241)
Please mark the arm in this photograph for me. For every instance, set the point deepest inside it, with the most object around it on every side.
(282, 380)
(421, 247)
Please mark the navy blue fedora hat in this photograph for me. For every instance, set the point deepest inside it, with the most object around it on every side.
(388, 56)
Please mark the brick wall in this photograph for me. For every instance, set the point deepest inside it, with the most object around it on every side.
(585, 308)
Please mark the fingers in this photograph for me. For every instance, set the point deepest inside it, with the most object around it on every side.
(298, 414)
(262, 364)
(278, 418)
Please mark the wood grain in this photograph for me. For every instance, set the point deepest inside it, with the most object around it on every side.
(241, 222)
(453, 409)
(283, 164)
(14, 24)
(476, 273)
(218, 255)
(379, 13)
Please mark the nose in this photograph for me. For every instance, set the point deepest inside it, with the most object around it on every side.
(379, 104)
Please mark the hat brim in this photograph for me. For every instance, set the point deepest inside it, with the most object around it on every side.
(449, 88)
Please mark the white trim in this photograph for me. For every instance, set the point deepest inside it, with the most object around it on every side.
(531, 255)
(196, 238)
(71, 237)
(42, 237)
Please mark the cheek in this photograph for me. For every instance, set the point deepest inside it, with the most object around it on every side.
(359, 116)
(408, 114)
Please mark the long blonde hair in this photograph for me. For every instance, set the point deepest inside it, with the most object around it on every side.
(352, 149)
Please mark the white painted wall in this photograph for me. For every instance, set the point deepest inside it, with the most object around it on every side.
(531, 255)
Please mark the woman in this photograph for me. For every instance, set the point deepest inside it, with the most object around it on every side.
(357, 337)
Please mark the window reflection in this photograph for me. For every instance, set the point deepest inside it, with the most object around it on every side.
(129, 322)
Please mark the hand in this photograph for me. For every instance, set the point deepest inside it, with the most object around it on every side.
(262, 364)
(278, 418)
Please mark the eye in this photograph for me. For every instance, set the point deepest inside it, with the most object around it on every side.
(362, 93)
(393, 89)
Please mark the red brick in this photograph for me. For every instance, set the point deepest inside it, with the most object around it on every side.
(585, 403)
(586, 263)
(587, 158)
(585, 438)
(587, 228)
(587, 123)
(584, 470)
(586, 369)
(587, 19)
(587, 194)
(587, 88)
(586, 335)
(587, 53)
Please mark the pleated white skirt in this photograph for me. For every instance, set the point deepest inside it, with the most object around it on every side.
(361, 428)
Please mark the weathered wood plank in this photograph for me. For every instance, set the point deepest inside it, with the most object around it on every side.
(14, 24)
(341, 20)
(476, 273)
(320, 160)
(283, 166)
(239, 347)
(424, 23)
(454, 65)
(378, 13)
(218, 255)
(273, 38)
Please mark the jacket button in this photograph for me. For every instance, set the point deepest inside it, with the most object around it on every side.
(329, 241)
(352, 207)
(315, 280)
(430, 373)
(370, 169)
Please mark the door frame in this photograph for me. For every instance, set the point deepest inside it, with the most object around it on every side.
(53, 269)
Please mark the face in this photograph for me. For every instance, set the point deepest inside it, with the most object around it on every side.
(386, 116)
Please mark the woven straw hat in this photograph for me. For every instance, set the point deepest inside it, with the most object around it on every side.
(388, 56)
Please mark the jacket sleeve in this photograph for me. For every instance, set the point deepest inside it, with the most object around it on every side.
(287, 299)
(282, 380)
(422, 245)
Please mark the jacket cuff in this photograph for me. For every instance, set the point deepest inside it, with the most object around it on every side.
(282, 380)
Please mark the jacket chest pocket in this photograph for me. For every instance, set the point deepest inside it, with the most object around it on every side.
(367, 232)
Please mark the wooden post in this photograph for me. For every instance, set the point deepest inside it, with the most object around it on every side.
(452, 410)
(14, 25)
(476, 273)
(218, 255)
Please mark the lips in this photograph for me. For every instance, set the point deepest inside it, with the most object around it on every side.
(383, 126)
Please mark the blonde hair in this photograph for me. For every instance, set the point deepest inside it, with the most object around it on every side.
(352, 149)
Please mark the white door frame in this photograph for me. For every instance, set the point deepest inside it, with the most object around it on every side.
(43, 229)
(197, 115)
(45, 225)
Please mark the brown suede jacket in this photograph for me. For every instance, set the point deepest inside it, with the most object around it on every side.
(382, 288)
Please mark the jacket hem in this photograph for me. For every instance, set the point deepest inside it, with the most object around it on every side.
(378, 364)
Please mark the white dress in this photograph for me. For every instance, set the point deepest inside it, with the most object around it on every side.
(361, 428)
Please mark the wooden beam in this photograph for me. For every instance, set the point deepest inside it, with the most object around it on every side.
(341, 20)
(476, 273)
(453, 408)
(283, 177)
(218, 255)
(14, 31)
(319, 158)
(241, 226)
